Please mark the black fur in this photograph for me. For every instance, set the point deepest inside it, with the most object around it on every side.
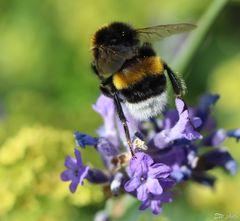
(150, 86)
(107, 87)
(146, 50)
(117, 33)
(177, 84)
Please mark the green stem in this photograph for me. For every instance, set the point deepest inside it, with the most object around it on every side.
(195, 40)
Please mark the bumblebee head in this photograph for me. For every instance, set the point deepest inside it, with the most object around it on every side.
(115, 34)
(112, 45)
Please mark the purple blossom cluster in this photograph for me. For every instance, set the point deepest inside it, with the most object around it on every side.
(184, 145)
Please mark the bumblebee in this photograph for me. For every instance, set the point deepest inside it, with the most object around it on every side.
(130, 71)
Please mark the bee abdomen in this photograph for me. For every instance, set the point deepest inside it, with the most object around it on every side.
(146, 98)
(150, 86)
(135, 73)
(150, 107)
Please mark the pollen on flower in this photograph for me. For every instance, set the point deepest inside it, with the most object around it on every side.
(139, 144)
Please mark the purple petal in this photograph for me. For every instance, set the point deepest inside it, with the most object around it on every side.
(84, 140)
(156, 207)
(217, 157)
(106, 148)
(76, 170)
(207, 101)
(96, 176)
(216, 138)
(73, 186)
(196, 121)
(179, 105)
(204, 106)
(70, 162)
(166, 197)
(231, 166)
(210, 124)
(76, 180)
(67, 175)
(155, 202)
(83, 172)
(142, 169)
(78, 157)
(145, 204)
(109, 134)
(142, 192)
(161, 139)
(154, 186)
(159, 170)
(172, 156)
(185, 127)
(132, 184)
(105, 107)
(234, 133)
(140, 162)
(167, 184)
(181, 174)
(170, 119)
(191, 133)
(178, 130)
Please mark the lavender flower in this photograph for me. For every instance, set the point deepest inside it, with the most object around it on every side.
(84, 140)
(167, 152)
(105, 107)
(184, 127)
(145, 175)
(75, 172)
(155, 202)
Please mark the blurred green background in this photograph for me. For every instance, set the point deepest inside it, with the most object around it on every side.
(47, 89)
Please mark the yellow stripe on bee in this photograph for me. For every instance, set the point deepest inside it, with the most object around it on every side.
(137, 72)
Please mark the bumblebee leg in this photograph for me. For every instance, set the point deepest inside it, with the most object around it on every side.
(123, 120)
(106, 90)
(178, 86)
(177, 83)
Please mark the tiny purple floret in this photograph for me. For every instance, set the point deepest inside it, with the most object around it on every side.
(75, 171)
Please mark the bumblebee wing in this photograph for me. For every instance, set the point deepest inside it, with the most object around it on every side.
(162, 31)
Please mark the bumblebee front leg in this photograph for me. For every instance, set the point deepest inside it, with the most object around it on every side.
(123, 120)
(105, 90)
(177, 83)
(109, 90)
